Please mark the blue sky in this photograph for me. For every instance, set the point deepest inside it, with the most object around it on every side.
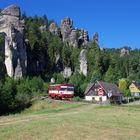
(116, 21)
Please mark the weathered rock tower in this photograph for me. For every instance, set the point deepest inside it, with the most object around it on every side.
(15, 50)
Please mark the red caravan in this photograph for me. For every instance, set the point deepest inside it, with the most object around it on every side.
(61, 91)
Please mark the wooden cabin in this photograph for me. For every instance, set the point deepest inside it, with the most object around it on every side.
(102, 91)
(135, 89)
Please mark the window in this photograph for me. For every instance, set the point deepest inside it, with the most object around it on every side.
(67, 88)
(70, 88)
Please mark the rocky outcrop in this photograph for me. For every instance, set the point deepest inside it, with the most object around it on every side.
(42, 28)
(12, 10)
(84, 38)
(83, 62)
(67, 72)
(124, 52)
(15, 48)
(53, 28)
(73, 38)
(66, 28)
(95, 40)
(69, 34)
(95, 37)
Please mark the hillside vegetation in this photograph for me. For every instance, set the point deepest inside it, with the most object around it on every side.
(43, 49)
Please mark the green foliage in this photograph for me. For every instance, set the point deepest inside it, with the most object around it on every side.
(66, 55)
(76, 99)
(58, 78)
(110, 75)
(126, 92)
(7, 95)
(122, 84)
(96, 75)
(17, 94)
(75, 58)
(48, 56)
(79, 82)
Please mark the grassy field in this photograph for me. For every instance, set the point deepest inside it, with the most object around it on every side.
(58, 121)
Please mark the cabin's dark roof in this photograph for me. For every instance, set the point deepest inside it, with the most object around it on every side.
(137, 84)
(106, 86)
(109, 87)
(89, 86)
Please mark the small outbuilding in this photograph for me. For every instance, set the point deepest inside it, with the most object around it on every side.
(102, 91)
(135, 89)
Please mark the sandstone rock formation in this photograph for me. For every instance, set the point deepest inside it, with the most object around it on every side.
(52, 80)
(95, 38)
(53, 28)
(70, 36)
(124, 52)
(66, 28)
(84, 38)
(67, 72)
(83, 62)
(42, 28)
(15, 49)
(73, 38)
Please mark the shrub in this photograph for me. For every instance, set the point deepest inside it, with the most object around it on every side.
(76, 99)
(22, 101)
(7, 95)
(17, 94)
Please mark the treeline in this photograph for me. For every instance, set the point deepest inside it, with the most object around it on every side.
(47, 56)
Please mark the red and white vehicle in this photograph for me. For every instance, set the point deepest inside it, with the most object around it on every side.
(61, 91)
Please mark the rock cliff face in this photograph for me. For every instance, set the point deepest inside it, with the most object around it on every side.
(95, 38)
(53, 28)
(66, 28)
(15, 49)
(67, 72)
(70, 34)
(124, 52)
(83, 62)
(42, 28)
(73, 38)
(84, 38)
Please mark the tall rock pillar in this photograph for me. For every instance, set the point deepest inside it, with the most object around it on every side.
(15, 50)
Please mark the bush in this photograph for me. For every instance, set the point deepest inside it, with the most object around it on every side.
(7, 95)
(76, 99)
(17, 94)
(22, 101)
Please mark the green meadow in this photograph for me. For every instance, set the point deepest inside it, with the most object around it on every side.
(71, 121)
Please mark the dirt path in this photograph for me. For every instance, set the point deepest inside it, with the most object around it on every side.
(7, 120)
